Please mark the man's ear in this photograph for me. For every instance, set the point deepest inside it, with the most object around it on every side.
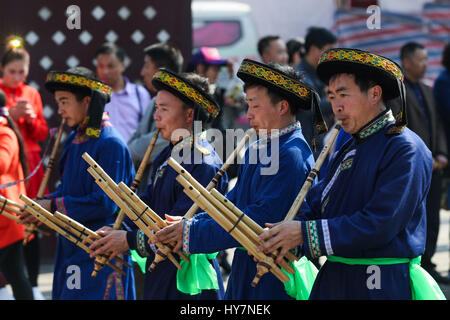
(375, 94)
(189, 115)
(283, 106)
(86, 101)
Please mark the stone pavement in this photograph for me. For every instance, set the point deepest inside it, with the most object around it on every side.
(441, 258)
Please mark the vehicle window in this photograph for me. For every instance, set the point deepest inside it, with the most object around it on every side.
(216, 33)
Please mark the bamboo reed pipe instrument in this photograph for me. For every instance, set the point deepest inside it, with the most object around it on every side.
(239, 226)
(12, 210)
(60, 226)
(312, 175)
(139, 217)
(100, 261)
(31, 227)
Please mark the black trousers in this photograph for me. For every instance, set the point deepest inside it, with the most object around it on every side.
(433, 221)
(12, 265)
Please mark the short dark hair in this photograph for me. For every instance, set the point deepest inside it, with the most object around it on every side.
(318, 37)
(111, 48)
(276, 96)
(165, 55)
(446, 57)
(293, 46)
(264, 43)
(408, 49)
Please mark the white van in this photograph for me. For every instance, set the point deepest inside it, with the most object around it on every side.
(226, 25)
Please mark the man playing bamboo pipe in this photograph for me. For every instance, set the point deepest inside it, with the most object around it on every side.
(177, 108)
(274, 94)
(367, 215)
(81, 99)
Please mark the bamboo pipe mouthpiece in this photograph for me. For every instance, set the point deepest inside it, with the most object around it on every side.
(262, 268)
(98, 264)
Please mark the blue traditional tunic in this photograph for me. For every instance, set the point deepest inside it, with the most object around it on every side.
(370, 205)
(264, 198)
(79, 197)
(165, 195)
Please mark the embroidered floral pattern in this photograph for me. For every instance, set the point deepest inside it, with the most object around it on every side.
(367, 58)
(376, 125)
(186, 232)
(312, 235)
(71, 79)
(273, 77)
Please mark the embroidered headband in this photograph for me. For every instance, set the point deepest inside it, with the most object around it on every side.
(185, 90)
(384, 71)
(253, 71)
(67, 78)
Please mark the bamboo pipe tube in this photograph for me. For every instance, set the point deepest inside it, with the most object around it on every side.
(141, 206)
(12, 203)
(10, 216)
(234, 219)
(7, 212)
(51, 161)
(247, 225)
(76, 224)
(100, 260)
(80, 234)
(11, 207)
(312, 175)
(250, 222)
(138, 176)
(147, 214)
(263, 267)
(31, 227)
(163, 251)
(249, 231)
(196, 196)
(143, 164)
(45, 217)
(190, 213)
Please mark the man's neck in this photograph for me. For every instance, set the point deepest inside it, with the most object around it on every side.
(311, 61)
(119, 85)
(411, 78)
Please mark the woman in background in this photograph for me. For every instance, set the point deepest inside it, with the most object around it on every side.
(12, 169)
(25, 109)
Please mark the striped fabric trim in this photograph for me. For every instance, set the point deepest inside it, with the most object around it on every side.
(60, 205)
(115, 278)
(345, 164)
(186, 233)
(140, 243)
(312, 235)
(326, 237)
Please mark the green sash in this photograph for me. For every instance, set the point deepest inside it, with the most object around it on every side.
(423, 286)
(300, 283)
(197, 274)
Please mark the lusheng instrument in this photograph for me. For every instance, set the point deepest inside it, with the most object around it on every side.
(31, 227)
(229, 161)
(237, 224)
(67, 227)
(100, 260)
(143, 216)
(312, 175)
(12, 210)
